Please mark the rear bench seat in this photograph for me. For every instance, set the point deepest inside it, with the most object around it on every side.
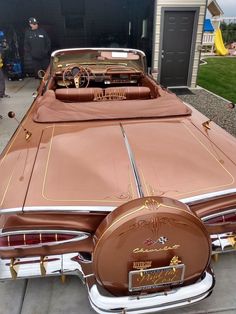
(130, 92)
(78, 94)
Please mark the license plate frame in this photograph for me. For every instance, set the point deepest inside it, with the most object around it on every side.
(158, 277)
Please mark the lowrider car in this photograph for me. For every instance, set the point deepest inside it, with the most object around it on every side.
(113, 178)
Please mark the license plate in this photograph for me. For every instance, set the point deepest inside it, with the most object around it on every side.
(156, 277)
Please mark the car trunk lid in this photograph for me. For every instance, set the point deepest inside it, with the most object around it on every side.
(90, 165)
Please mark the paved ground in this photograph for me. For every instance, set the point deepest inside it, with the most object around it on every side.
(49, 295)
(213, 107)
(21, 99)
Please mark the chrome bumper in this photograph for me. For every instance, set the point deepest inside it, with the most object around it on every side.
(153, 302)
(223, 242)
(33, 267)
(100, 300)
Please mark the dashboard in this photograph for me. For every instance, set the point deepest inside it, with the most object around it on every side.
(81, 76)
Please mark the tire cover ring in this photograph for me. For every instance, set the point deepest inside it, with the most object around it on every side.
(151, 232)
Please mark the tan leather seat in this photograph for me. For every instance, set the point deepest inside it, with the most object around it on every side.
(130, 92)
(78, 94)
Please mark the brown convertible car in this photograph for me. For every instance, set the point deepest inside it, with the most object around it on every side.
(112, 178)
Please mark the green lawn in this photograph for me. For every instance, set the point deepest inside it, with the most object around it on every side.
(219, 76)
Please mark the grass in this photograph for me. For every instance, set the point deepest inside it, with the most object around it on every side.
(219, 76)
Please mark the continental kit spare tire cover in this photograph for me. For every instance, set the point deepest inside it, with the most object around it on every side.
(150, 244)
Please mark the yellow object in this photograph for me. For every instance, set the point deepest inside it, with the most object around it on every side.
(219, 44)
(1, 62)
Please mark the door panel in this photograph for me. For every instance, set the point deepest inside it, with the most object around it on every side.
(176, 47)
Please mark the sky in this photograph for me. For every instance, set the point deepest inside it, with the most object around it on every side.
(228, 6)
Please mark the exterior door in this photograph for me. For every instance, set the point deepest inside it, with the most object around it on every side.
(176, 47)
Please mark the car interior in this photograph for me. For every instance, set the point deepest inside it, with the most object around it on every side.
(104, 88)
(101, 76)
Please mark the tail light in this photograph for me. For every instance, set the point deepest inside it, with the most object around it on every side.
(221, 217)
(20, 239)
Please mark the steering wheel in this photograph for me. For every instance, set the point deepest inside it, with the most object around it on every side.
(79, 74)
(81, 77)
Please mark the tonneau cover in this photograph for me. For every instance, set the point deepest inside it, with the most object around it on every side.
(50, 109)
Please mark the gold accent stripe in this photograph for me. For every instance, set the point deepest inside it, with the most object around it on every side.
(207, 149)
(47, 163)
(131, 185)
(23, 122)
(212, 187)
(43, 193)
(133, 212)
(200, 190)
(8, 184)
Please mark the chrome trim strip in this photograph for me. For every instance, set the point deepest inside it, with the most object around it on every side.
(70, 208)
(189, 201)
(104, 304)
(79, 237)
(5, 211)
(226, 212)
(85, 209)
(56, 265)
(54, 53)
(207, 197)
(133, 164)
(223, 243)
(53, 231)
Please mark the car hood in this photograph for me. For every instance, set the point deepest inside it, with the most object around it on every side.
(107, 164)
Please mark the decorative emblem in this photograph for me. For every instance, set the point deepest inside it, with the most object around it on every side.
(142, 266)
(155, 250)
(175, 261)
(111, 95)
(152, 204)
(161, 240)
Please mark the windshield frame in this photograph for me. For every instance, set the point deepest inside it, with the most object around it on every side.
(142, 65)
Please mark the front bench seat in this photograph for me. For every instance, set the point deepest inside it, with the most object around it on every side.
(78, 94)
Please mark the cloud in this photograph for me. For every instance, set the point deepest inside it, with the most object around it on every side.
(228, 6)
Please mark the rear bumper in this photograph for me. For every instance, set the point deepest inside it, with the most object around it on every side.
(33, 267)
(153, 302)
(100, 300)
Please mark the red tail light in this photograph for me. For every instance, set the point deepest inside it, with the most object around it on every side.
(221, 218)
(10, 240)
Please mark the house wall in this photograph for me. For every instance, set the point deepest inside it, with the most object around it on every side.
(159, 4)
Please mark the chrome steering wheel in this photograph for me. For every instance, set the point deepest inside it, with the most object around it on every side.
(79, 74)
